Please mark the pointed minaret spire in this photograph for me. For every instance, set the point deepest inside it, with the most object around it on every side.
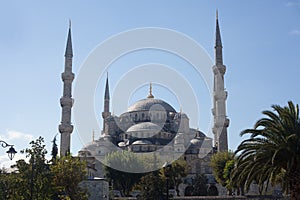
(218, 43)
(106, 95)
(69, 50)
(150, 92)
(106, 112)
(221, 122)
(66, 101)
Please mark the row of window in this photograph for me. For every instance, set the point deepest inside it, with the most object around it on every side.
(142, 116)
(163, 135)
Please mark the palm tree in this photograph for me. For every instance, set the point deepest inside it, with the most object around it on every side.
(272, 153)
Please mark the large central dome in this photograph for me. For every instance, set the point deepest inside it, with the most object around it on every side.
(151, 104)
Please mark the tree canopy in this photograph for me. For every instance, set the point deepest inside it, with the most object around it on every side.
(123, 180)
(40, 180)
(175, 172)
(272, 153)
(218, 164)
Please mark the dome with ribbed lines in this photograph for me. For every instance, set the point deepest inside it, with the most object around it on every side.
(142, 142)
(145, 126)
(151, 104)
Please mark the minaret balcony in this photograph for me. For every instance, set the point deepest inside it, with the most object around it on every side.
(226, 123)
(105, 115)
(67, 76)
(220, 95)
(219, 69)
(65, 128)
(221, 121)
(66, 101)
(213, 111)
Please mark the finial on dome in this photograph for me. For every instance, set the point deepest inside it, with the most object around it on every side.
(93, 135)
(150, 92)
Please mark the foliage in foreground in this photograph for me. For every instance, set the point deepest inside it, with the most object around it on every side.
(220, 166)
(152, 186)
(272, 153)
(38, 179)
(126, 180)
(68, 173)
(123, 180)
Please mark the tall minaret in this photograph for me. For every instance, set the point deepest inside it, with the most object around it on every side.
(66, 101)
(221, 122)
(106, 112)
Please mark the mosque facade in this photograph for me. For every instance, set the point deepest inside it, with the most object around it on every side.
(151, 124)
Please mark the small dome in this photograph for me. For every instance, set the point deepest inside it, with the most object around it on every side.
(151, 104)
(90, 145)
(84, 152)
(144, 126)
(121, 144)
(196, 142)
(180, 116)
(142, 142)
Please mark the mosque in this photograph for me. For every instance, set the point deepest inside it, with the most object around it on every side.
(150, 124)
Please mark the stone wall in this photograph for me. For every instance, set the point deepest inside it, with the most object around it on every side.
(215, 198)
(97, 188)
(231, 198)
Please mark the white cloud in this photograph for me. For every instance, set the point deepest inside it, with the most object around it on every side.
(294, 32)
(5, 162)
(19, 140)
(12, 135)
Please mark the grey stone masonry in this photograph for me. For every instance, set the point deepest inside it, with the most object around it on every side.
(97, 189)
(66, 101)
(221, 122)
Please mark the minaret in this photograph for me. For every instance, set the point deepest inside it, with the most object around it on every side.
(66, 101)
(221, 122)
(106, 112)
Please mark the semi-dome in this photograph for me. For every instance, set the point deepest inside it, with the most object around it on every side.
(121, 144)
(142, 142)
(151, 104)
(144, 126)
(196, 142)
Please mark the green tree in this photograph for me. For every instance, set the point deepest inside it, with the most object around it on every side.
(227, 174)
(152, 186)
(272, 152)
(54, 151)
(5, 183)
(176, 172)
(123, 180)
(37, 179)
(10, 185)
(68, 173)
(218, 164)
(35, 176)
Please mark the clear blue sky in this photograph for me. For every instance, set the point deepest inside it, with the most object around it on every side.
(261, 42)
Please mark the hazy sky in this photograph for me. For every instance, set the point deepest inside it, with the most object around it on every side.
(261, 41)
